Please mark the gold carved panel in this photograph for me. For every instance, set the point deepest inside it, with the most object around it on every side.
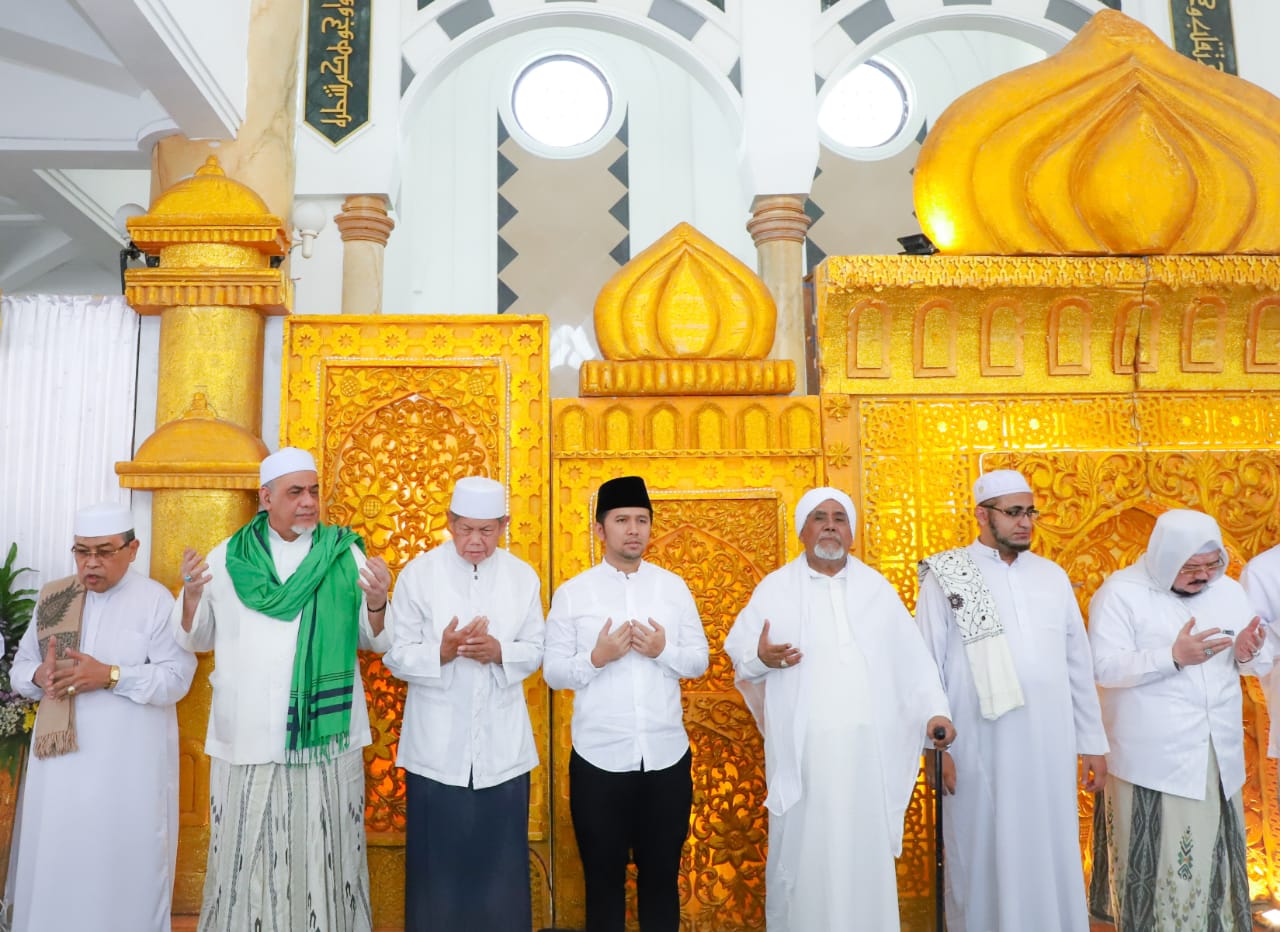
(722, 520)
(986, 324)
(397, 409)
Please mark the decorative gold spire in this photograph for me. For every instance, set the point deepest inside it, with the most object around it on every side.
(685, 316)
(1114, 146)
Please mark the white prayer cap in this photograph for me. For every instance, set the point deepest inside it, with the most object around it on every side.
(815, 497)
(999, 482)
(103, 520)
(477, 497)
(284, 461)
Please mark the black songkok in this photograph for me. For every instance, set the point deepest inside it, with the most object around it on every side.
(623, 492)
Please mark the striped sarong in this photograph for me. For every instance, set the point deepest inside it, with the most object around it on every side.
(287, 848)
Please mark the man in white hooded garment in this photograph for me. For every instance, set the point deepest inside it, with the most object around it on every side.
(1171, 636)
(1006, 632)
(98, 832)
(845, 693)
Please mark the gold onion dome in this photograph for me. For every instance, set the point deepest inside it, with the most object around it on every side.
(685, 315)
(1116, 145)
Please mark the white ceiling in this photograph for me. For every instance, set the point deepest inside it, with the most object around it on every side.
(89, 87)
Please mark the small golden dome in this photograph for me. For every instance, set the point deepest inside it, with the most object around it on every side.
(207, 194)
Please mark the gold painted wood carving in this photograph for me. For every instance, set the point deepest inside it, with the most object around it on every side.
(397, 409)
(1116, 145)
(685, 316)
(888, 324)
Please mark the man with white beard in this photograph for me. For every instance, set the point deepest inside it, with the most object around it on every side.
(845, 693)
(1005, 630)
(1171, 636)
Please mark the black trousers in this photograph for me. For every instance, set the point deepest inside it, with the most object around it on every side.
(638, 815)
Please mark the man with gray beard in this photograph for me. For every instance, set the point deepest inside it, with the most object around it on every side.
(844, 691)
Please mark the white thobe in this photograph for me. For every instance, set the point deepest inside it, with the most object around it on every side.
(627, 714)
(253, 661)
(1013, 826)
(98, 832)
(842, 732)
(1261, 580)
(464, 719)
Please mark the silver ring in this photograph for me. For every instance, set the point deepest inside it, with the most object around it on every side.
(186, 579)
(1208, 651)
(782, 662)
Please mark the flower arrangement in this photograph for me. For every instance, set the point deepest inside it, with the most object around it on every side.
(17, 713)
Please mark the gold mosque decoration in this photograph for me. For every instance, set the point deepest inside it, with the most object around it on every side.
(685, 315)
(1117, 145)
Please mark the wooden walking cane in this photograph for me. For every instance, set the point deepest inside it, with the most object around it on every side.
(939, 880)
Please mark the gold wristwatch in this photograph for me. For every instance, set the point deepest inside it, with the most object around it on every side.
(114, 677)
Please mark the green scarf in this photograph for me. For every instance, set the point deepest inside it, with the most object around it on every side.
(326, 591)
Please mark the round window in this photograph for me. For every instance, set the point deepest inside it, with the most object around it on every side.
(561, 101)
(866, 109)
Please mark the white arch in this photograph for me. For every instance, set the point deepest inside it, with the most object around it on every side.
(431, 69)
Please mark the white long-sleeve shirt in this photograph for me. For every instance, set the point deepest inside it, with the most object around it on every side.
(1261, 580)
(465, 719)
(253, 660)
(626, 714)
(1160, 720)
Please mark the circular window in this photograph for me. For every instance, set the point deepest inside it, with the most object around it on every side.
(561, 101)
(866, 109)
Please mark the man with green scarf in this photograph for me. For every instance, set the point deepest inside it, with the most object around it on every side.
(284, 603)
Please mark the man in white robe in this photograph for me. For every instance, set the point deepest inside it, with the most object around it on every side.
(467, 631)
(98, 831)
(1171, 636)
(284, 603)
(1026, 707)
(845, 694)
(1261, 580)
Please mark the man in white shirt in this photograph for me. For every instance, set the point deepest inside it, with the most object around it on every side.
(284, 603)
(466, 632)
(622, 635)
(839, 681)
(1261, 580)
(1004, 628)
(1171, 636)
(104, 766)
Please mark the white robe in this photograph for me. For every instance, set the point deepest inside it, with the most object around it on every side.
(1261, 580)
(842, 732)
(1013, 826)
(98, 832)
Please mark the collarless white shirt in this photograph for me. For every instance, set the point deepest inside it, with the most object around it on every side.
(466, 720)
(253, 660)
(626, 715)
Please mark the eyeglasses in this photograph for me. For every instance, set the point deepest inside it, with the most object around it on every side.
(1191, 569)
(1016, 512)
(102, 553)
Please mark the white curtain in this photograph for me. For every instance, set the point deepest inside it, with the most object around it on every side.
(68, 374)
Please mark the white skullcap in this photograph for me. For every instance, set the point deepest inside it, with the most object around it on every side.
(815, 497)
(477, 497)
(999, 482)
(284, 461)
(103, 520)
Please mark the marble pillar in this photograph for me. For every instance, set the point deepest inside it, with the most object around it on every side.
(777, 226)
(365, 229)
